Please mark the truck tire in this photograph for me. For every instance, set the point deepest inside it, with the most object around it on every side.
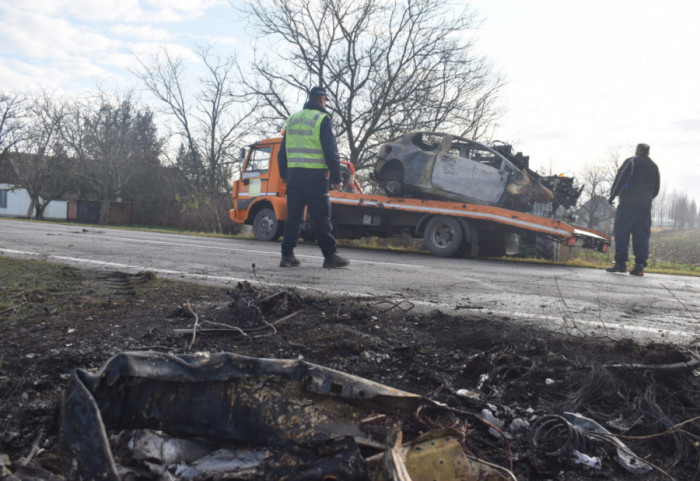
(443, 236)
(266, 226)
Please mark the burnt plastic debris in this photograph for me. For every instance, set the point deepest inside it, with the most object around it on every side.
(225, 397)
(227, 416)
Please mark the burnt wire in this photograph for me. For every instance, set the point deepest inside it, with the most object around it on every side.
(657, 421)
(600, 392)
(555, 436)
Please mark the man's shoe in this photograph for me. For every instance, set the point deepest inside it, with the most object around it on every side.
(289, 261)
(335, 261)
(637, 271)
(617, 268)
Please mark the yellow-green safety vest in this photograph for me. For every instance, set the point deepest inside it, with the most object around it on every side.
(303, 140)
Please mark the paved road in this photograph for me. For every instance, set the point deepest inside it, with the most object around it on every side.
(653, 308)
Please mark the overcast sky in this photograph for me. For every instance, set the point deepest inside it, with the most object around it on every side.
(584, 79)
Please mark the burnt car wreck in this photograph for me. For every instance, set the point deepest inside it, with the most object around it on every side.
(439, 166)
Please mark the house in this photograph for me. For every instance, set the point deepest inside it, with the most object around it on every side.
(597, 214)
(15, 200)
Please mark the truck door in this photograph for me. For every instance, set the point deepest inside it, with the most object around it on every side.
(255, 178)
(471, 170)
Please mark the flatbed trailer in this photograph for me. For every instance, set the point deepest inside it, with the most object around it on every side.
(447, 228)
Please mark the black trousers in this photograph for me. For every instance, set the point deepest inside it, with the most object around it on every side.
(634, 221)
(313, 194)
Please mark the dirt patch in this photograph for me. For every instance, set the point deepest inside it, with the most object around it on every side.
(55, 319)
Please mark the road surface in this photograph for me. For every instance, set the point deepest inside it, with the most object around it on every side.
(578, 301)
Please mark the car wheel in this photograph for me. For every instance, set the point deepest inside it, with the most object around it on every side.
(266, 226)
(443, 236)
(391, 179)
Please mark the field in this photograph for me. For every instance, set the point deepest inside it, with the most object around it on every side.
(671, 251)
(670, 248)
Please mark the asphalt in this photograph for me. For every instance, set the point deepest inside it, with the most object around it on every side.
(578, 301)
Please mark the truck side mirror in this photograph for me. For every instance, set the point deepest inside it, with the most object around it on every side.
(241, 154)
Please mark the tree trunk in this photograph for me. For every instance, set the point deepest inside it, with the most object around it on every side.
(40, 208)
(104, 210)
(30, 210)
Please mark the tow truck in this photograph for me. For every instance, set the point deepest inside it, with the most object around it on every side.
(448, 228)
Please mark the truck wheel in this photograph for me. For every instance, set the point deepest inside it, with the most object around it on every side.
(266, 227)
(443, 236)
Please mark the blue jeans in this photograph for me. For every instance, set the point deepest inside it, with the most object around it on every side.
(313, 194)
(634, 221)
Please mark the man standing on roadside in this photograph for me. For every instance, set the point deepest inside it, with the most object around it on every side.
(308, 152)
(637, 183)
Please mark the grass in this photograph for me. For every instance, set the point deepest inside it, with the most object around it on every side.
(28, 285)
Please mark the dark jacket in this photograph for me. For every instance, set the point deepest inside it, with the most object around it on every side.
(330, 152)
(637, 182)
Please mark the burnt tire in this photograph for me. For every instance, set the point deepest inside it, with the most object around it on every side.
(444, 236)
(390, 179)
(266, 226)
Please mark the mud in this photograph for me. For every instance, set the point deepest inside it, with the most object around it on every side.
(467, 361)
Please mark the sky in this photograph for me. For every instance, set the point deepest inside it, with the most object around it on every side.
(584, 79)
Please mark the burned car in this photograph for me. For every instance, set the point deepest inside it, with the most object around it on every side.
(439, 166)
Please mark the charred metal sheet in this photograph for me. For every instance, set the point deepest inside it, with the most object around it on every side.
(439, 455)
(228, 397)
(566, 193)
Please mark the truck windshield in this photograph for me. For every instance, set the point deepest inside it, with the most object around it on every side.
(258, 161)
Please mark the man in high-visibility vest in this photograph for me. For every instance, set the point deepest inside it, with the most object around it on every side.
(308, 152)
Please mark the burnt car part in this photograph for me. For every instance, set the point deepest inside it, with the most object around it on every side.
(439, 166)
(563, 188)
(302, 420)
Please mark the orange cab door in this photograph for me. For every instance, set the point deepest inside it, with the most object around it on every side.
(255, 178)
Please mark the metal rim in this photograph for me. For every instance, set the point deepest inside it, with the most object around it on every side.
(265, 225)
(443, 236)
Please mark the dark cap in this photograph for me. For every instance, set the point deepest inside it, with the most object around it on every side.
(317, 92)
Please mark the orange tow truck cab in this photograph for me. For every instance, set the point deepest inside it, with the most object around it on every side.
(448, 228)
(259, 196)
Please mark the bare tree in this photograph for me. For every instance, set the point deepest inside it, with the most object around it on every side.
(12, 113)
(611, 164)
(389, 67)
(681, 210)
(41, 162)
(595, 179)
(693, 215)
(210, 122)
(661, 208)
(110, 140)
